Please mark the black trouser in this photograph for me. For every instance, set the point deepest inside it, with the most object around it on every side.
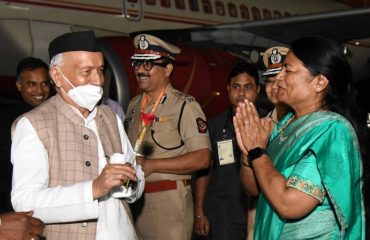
(221, 229)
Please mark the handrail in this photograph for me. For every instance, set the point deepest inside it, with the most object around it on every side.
(125, 13)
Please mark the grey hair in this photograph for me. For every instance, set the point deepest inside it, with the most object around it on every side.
(57, 60)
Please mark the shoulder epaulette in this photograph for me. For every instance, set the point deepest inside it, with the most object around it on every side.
(188, 98)
(136, 99)
(183, 96)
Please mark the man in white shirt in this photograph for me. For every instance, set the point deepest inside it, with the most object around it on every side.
(72, 160)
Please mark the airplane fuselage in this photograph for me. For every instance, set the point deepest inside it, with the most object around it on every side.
(125, 16)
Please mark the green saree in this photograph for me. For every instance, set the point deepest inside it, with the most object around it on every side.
(318, 154)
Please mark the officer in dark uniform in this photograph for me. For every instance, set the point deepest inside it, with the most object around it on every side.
(221, 205)
(168, 130)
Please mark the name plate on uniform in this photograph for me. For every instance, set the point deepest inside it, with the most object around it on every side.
(225, 152)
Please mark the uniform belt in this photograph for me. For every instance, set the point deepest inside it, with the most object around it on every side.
(165, 185)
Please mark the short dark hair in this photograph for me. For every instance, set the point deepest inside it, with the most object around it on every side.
(244, 67)
(30, 63)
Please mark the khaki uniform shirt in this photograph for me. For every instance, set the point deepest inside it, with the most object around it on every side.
(179, 128)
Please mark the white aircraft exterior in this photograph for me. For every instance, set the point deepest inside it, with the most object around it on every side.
(125, 16)
(27, 26)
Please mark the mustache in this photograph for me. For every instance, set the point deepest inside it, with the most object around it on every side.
(139, 75)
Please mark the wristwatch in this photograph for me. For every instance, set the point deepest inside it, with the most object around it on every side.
(255, 153)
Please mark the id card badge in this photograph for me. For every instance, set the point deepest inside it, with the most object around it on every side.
(225, 152)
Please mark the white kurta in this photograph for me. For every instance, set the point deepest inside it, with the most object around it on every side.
(71, 203)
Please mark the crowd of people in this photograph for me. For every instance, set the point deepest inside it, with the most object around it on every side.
(78, 167)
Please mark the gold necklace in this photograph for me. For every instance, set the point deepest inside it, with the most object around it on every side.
(281, 130)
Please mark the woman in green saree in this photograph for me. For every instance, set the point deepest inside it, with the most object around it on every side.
(309, 178)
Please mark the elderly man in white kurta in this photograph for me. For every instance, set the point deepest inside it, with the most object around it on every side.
(73, 164)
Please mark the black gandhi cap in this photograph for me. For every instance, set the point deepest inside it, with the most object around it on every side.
(75, 41)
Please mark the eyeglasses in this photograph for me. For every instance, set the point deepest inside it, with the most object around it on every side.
(148, 65)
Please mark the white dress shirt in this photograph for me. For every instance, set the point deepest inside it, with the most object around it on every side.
(71, 203)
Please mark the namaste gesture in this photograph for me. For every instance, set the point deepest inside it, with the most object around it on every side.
(251, 131)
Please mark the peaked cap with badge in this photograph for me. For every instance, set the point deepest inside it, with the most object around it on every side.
(273, 58)
(74, 41)
(149, 47)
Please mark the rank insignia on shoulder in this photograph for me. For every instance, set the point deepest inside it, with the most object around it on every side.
(136, 99)
(202, 125)
(189, 98)
(163, 99)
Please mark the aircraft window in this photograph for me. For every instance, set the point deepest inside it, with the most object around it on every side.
(233, 12)
(165, 3)
(256, 13)
(207, 7)
(266, 13)
(150, 2)
(180, 4)
(277, 14)
(194, 5)
(244, 12)
(286, 14)
(220, 8)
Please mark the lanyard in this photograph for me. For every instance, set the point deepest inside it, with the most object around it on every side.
(143, 126)
(145, 100)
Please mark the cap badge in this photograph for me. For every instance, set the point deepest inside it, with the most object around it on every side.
(143, 43)
(275, 56)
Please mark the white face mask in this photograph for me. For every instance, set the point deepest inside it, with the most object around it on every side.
(85, 96)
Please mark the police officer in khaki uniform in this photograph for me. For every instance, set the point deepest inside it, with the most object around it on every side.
(273, 58)
(169, 132)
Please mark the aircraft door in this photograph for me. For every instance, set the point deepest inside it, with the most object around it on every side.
(116, 84)
(132, 9)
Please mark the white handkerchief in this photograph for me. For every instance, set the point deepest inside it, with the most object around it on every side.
(114, 222)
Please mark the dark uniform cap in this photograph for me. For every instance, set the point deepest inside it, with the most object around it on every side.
(149, 47)
(273, 58)
(75, 41)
